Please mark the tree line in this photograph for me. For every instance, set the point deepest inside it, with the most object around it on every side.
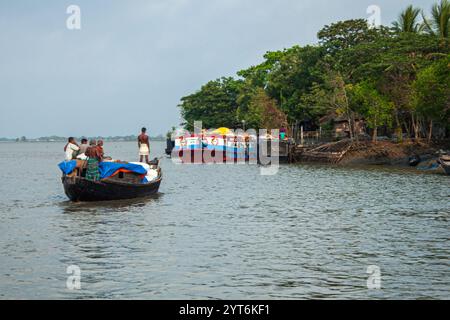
(394, 77)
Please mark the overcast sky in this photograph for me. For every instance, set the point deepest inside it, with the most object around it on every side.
(133, 60)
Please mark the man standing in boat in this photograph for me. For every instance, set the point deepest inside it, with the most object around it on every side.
(144, 146)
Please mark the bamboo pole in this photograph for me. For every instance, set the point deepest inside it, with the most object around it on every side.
(302, 137)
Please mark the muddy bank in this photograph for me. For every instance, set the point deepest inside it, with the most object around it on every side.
(349, 153)
(388, 153)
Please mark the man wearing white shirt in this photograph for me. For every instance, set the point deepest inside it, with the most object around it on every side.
(71, 149)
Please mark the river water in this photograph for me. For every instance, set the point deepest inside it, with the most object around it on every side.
(224, 232)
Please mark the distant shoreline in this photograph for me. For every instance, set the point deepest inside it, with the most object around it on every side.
(64, 139)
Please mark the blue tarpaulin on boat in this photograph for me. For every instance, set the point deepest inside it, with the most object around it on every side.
(67, 167)
(107, 169)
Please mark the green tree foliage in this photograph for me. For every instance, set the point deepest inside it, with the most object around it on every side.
(408, 21)
(317, 102)
(264, 113)
(346, 34)
(293, 76)
(256, 76)
(328, 97)
(215, 104)
(376, 108)
(432, 93)
(392, 63)
(439, 23)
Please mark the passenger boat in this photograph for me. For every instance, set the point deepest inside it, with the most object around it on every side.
(445, 164)
(217, 149)
(126, 181)
(220, 146)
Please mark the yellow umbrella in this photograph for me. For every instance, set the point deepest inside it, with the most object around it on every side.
(222, 131)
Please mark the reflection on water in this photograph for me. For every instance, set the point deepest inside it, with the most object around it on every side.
(107, 206)
(225, 232)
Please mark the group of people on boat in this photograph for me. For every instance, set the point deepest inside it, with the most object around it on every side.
(93, 153)
(83, 151)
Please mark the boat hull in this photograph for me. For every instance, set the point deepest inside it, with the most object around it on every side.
(445, 164)
(446, 168)
(80, 189)
(414, 161)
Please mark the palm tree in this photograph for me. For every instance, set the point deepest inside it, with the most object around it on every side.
(408, 21)
(439, 23)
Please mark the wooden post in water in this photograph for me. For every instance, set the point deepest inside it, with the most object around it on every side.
(302, 137)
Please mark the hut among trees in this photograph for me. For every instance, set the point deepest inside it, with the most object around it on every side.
(340, 127)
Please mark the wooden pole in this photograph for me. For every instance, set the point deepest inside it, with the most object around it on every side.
(302, 137)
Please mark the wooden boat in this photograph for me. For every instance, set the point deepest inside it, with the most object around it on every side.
(414, 161)
(445, 164)
(120, 187)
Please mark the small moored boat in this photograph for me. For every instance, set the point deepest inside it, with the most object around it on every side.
(119, 181)
(414, 161)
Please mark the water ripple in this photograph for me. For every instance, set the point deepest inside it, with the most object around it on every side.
(226, 232)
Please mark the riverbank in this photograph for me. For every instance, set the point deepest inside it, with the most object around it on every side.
(349, 153)
(389, 153)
